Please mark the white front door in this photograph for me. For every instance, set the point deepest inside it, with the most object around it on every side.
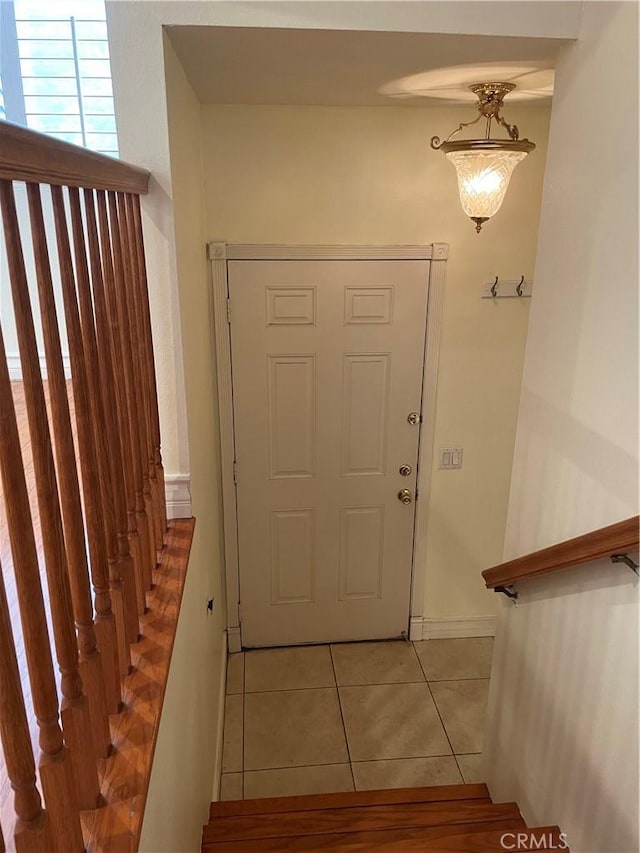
(327, 361)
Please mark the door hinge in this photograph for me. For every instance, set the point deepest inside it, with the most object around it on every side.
(228, 310)
(235, 472)
(239, 613)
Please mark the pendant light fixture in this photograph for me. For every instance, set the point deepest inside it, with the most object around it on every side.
(484, 166)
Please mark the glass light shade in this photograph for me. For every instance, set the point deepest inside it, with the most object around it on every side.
(483, 178)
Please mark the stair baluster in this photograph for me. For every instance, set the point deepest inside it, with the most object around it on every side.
(87, 447)
(127, 296)
(108, 271)
(100, 258)
(93, 665)
(150, 363)
(74, 708)
(32, 833)
(138, 347)
(54, 764)
(121, 288)
(119, 565)
(86, 441)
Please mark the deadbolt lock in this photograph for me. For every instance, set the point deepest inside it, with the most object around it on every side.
(405, 470)
(413, 418)
(405, 496)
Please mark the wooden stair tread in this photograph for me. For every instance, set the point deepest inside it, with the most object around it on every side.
(358, 819)
(350, 799)
(405, 839)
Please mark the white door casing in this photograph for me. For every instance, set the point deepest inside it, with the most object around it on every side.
(327, 364)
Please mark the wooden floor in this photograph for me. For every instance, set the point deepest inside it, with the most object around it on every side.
(124, 776)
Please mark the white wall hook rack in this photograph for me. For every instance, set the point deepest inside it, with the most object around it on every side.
(501, 288)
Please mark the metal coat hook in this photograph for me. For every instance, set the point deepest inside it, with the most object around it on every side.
(501, 288)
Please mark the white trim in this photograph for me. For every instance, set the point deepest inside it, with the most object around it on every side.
(218, 258)
(177, 489)
(427, 430)
(415, 628)
(15, 367)
(219, 253)
(276, 252)
(234, 640)
(222, 692)
(448, 629)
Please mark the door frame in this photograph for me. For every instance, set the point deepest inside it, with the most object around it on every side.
(219, 253)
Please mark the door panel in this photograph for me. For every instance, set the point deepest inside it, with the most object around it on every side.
(361, 553)
(292, 555)
(292, 415)
(327, 363)
(365, 414)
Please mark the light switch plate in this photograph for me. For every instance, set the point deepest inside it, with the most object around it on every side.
(450, 457)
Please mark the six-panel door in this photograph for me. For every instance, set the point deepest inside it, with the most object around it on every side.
(327, 363)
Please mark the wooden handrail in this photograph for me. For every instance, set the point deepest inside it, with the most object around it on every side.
(34, 157)
(598, 544)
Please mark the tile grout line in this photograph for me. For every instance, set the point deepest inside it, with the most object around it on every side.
(344, 727)
(335, 686)
(435, 704)
(438, 680)
(364, 761)
(415, 651)
(224, 732)
(455, 758)
(360, 684)
(244, 693)
(449, 680)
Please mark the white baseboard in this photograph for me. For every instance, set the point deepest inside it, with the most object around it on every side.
(448, 629)
(222, 688)
(177, 488)
(15, 367)
(234, 640)
(415, 628)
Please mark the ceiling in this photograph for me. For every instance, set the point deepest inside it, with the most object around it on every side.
(245, 65)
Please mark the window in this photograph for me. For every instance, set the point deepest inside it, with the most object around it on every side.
(56, 73)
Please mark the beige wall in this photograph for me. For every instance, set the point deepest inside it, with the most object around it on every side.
(137, 65)
(176, 803)
(182, 776)
(562, 734)
(367, 175)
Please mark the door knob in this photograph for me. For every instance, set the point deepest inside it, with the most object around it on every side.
(405, 470)
(413, 418)
(405, 496)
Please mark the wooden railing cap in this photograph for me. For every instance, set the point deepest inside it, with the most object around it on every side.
(599, 544)
(26, 155)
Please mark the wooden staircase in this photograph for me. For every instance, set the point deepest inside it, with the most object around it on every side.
(452, 818)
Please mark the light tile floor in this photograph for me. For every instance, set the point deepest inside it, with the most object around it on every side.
(354, 716)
